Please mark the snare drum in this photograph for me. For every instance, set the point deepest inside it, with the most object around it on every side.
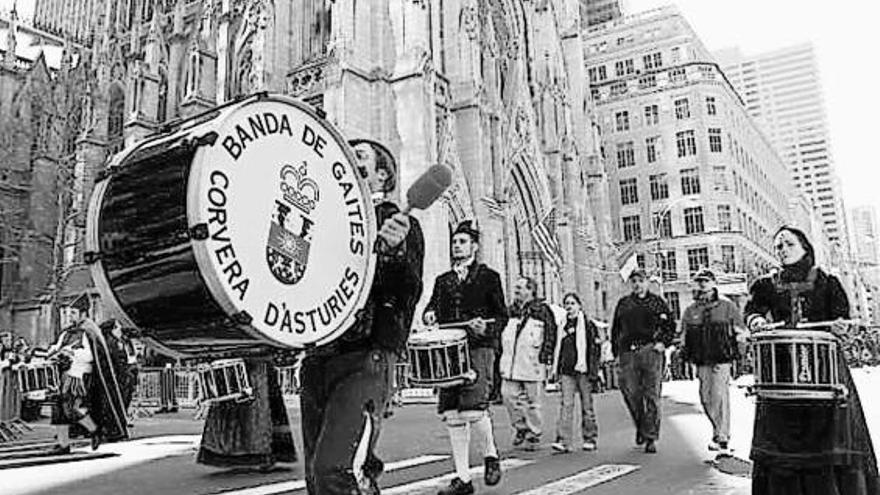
(223, 380)
(245, 227)
(797, 365)
(37, 380)
(440, 358)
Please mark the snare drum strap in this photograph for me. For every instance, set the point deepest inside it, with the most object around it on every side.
(795, 290)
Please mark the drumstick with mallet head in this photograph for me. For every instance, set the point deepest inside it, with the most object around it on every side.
(461, 324)
(425, 191)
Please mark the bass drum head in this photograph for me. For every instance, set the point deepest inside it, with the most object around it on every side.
(284, 225)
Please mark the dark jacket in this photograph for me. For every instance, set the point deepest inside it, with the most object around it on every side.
(480, 295)
(568, 348)
(641, 320)
(809, 434)
(386, 318)
(709, 328)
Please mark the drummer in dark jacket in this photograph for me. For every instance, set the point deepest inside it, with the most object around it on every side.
(470, 294)
(642, 328)
(347, 384)
(710, 327)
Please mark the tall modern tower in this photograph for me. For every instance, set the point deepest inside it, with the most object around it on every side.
(598, 11)
(866, 237)
(782, 91)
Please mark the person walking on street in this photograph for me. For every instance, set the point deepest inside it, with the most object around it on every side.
(527, 346)
(578, 371)
(710, 327)
(642, 328)
(471, 293)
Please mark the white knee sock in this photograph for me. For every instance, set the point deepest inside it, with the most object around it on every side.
(483, 430)
(460, 438)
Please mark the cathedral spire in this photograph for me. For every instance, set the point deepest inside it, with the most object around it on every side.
(11, 37)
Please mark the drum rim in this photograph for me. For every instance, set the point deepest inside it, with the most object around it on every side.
(422, 337)
(780, 335)
(213, 282)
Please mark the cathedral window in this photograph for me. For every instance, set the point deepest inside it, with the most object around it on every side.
(116, 118)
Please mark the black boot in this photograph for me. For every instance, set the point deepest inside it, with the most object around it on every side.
(492, 471)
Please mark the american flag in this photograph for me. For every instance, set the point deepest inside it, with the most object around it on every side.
(544, 235)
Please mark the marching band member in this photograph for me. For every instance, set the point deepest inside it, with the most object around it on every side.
(254, 433)
(89, 395)
(806, 448)
(347, 384)
(470, 293)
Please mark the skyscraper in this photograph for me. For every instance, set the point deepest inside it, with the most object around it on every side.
(693, 181)
(866, 238)
(782, 91)
(598, 11)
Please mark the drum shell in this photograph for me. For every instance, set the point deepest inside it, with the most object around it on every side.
(147, 258)
(440, 362)
(797, 365)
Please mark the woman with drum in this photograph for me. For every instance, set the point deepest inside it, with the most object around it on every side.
(578, 369)
(807, 446)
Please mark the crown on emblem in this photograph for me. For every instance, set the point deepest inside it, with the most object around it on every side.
(299, 189)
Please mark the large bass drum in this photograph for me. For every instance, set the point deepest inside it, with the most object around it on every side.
(245, 227)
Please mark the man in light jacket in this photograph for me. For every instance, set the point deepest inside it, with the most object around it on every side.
(527, 345)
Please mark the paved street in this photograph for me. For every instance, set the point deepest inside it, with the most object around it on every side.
(414, 445)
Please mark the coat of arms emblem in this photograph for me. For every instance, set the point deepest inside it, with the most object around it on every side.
(290, 235)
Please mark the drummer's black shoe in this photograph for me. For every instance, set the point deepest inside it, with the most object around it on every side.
(96, 440)
(640, 440)
(519, 437)
(457, 487)
(650, 447)
(59, 450)
(492, 471)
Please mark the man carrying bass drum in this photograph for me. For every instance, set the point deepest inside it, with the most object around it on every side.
(807, 447)
(347, 384)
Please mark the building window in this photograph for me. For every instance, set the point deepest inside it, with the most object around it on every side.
(663, 224)
(673, 302)
(629, 191)
(626, 156)
(621, 121)
(725, 220)
(653, 60)
(676, 55)
(720, 173)
(682, 109)
(715, 140)
(652, 115)
(698, 258)
(597, 74)
(632, 228)
(690, 181)
(624, 67)
(711, 109)
(648, 81)
(618, 88)
(728, 258)
(659, 187)
(678, 75)
(640, 260)
(665, 262)
(693, 220)
(651, 148)
(686, 143)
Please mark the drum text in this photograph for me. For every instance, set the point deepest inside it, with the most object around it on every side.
(356, 216)
(264, 124)
(225, 253)
(300, 322)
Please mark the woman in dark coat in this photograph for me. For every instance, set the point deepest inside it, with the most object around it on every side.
(807, 448)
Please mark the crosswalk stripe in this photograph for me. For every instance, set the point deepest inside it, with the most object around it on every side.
(430, 483)
(586, 479)
(289, 486)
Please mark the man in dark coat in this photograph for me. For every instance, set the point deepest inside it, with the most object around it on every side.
(642, 328)
(347, 384)
(470, 294)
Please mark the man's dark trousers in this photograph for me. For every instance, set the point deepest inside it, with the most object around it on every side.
(343, 401)
(641, 375)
